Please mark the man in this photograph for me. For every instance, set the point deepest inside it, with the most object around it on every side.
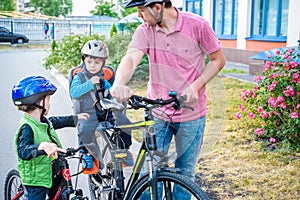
(176, 44)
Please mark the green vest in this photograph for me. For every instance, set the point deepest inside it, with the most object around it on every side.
(37, 171)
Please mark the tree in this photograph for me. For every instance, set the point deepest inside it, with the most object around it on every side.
(53, 7)
(104, 8)
(7, 5)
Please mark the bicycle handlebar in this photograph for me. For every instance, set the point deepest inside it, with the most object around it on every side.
(137, 102)
(71, 151)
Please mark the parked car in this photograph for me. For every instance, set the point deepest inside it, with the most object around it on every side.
(8, 36)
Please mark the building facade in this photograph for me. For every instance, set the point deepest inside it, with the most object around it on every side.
(246, 27)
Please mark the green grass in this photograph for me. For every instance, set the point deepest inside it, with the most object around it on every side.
(233, 71)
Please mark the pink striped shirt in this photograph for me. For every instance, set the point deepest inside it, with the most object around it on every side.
(177, 59)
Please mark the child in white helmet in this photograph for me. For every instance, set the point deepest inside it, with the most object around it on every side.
(83, 89)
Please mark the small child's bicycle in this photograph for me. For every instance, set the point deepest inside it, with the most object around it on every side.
(160, 181)
(63, 187)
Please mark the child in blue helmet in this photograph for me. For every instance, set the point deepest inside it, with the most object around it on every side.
(36, 142)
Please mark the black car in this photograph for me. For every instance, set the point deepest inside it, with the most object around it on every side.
(7, 36)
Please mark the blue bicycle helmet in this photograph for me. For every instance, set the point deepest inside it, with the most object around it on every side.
(31, 89)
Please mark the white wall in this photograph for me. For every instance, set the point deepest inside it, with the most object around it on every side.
(244, 22)
(293, 34)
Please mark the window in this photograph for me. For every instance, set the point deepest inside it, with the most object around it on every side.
(269, 20)
(225, 18)
(194, 6)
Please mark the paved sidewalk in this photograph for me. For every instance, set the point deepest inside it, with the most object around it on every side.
(240, 76)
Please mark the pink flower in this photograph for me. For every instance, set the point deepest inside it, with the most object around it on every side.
(283, 105)
(259, 131)
(242, 108)
(258, 78)
(280, 99)
(277, 52)
(267, 66)
(286, 93)
(291, 90)
(293, 64)
(271, 87)
(251, 115)
(238, 115)
(245, 93)
(272, 76)
(264, 114)
(294, 115)
(287, 56)
(296, 76)
(273, 102)
(259, 109)
(298, 106)
(272, 140)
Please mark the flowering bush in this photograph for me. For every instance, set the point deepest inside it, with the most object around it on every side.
(274, 102)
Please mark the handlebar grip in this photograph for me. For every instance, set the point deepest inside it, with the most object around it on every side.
(183, 98)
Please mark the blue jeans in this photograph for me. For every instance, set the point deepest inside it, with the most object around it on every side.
(188, 141)
(35, 193)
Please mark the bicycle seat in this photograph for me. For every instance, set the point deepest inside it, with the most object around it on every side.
(110, 104)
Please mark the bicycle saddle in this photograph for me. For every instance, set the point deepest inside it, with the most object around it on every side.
(111, 104)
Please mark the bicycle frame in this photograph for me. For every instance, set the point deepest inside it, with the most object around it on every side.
(148, 147)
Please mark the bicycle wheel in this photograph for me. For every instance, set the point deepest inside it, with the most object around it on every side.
(171, 186)
(13, 188)
(101, 185)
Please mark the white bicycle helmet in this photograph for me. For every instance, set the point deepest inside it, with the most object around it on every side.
(95, 48)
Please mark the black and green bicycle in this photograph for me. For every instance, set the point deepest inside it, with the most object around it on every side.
(160, 180)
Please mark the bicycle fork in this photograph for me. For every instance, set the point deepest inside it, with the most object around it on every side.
(152, 147)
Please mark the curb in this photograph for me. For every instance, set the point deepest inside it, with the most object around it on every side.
(60, 78)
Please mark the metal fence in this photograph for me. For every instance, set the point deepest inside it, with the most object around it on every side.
(34, 28)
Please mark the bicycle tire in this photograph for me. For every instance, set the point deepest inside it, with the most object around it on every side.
(13, 185)
(96, 189)
(192, 190)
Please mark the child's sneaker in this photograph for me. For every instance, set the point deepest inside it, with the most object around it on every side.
(128, 162)
(87, 162)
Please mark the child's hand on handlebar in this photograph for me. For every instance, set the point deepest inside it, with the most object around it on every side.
(50, 149)
(121, 92)
(95, 79)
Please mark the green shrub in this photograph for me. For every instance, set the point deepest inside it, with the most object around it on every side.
(67, 54)
(275, 101)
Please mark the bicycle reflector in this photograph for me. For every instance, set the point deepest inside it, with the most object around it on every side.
(66, 174)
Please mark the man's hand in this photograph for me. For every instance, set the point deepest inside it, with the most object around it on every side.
(121, 92)
(191, 95)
